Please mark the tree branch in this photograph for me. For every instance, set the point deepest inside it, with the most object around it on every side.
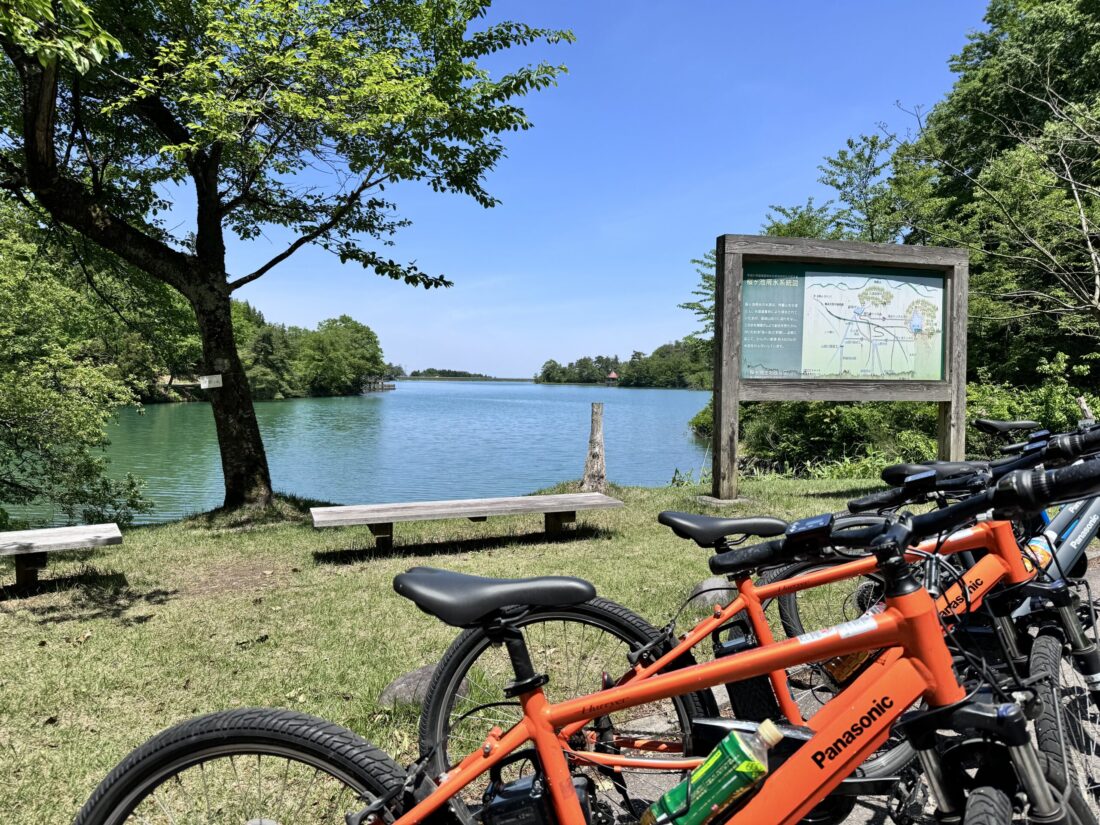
(333, 219)
(65, 198)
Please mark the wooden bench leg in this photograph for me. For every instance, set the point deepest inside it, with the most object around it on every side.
(27, 566)
(383, 535)
(555, 521)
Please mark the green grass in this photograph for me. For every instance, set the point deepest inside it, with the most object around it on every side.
(217, 612)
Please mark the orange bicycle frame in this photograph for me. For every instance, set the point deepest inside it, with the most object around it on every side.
(917, 664)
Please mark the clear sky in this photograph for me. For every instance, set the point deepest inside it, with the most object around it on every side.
(678, 121)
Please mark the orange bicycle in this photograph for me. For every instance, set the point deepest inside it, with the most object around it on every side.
(258, 766)
(582, 644)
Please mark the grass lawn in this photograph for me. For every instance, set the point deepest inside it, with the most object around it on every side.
(205, 614)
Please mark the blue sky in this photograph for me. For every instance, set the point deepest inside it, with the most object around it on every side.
(677, 122)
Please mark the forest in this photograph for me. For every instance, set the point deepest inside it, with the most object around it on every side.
(1007, 166)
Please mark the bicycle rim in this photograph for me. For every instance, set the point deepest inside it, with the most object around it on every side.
(576, 651)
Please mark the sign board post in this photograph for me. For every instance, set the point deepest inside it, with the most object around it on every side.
(807, 320)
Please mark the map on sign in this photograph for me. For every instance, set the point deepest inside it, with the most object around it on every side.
(855, 323)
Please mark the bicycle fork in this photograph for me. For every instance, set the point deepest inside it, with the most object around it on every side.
(1005, 723)
(1086, 655)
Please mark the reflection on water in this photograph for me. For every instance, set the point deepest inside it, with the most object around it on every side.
(425, 440)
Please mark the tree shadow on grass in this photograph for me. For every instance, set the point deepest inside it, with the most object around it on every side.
(855, 490)
(446, 547)
(95, 594)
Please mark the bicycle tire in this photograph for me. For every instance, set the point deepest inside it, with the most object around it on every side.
(446, 687)
(790, 614)
(329, 750)
(1067, 728)
(987, 806)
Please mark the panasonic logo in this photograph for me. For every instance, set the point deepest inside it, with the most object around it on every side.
(860, 727)
(1076, 543)
(961, 598)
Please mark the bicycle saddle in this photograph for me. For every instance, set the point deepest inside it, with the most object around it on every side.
(707, 531)
(990, 426)
(895, 474)
(467, 601)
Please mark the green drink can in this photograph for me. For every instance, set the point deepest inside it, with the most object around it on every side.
(738, 763)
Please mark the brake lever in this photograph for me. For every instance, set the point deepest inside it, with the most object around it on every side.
(663, 637)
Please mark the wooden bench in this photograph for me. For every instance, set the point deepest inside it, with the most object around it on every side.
(31, 546)
(558, 510)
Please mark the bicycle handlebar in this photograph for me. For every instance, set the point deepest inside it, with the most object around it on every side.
(1038, 452)
(748, 558)
(1041, 488)
(894, 497)
(1021, 491)
(1071, 446)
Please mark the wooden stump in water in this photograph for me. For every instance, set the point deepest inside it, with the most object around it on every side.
(595, 467)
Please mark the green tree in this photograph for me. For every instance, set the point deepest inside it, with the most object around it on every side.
(56, 396)
(139, 324)
(859, 174)
(703, 304)
(241, 107)
(551, 373)
(1008, 164)
(802, 221)
(339, 357)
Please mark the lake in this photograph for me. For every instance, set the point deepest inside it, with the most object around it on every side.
(425, 440)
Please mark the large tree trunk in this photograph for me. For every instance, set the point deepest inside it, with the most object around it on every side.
(200, 276)
(244, 461)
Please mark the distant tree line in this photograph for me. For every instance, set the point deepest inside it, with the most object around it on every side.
(681, 364)
(432, 372)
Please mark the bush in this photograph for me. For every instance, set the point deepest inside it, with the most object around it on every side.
(828, 439)
(702, 423)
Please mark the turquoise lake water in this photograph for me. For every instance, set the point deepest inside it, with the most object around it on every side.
(425, 440)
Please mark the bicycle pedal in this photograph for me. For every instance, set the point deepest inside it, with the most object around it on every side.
(908, 802)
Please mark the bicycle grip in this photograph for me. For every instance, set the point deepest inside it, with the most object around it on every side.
(747, 558)
(948, 518)
(1038, 489)
(851, 534)
(893, 497)
(1013, 449)
(1071, 446)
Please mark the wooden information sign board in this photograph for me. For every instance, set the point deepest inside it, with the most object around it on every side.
(808, 320)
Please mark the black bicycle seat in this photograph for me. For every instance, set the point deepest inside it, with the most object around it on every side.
(707, 531)
(895, 474)
(467, 601)
(991, 426)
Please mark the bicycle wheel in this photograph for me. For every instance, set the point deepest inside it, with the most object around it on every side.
(1067, 729)
(1002, 805)
(253, 765)
(578, 647)
(815, 684)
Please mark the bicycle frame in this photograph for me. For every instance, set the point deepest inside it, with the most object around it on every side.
(845, 732)
(1003, 563)
(1070, 531)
